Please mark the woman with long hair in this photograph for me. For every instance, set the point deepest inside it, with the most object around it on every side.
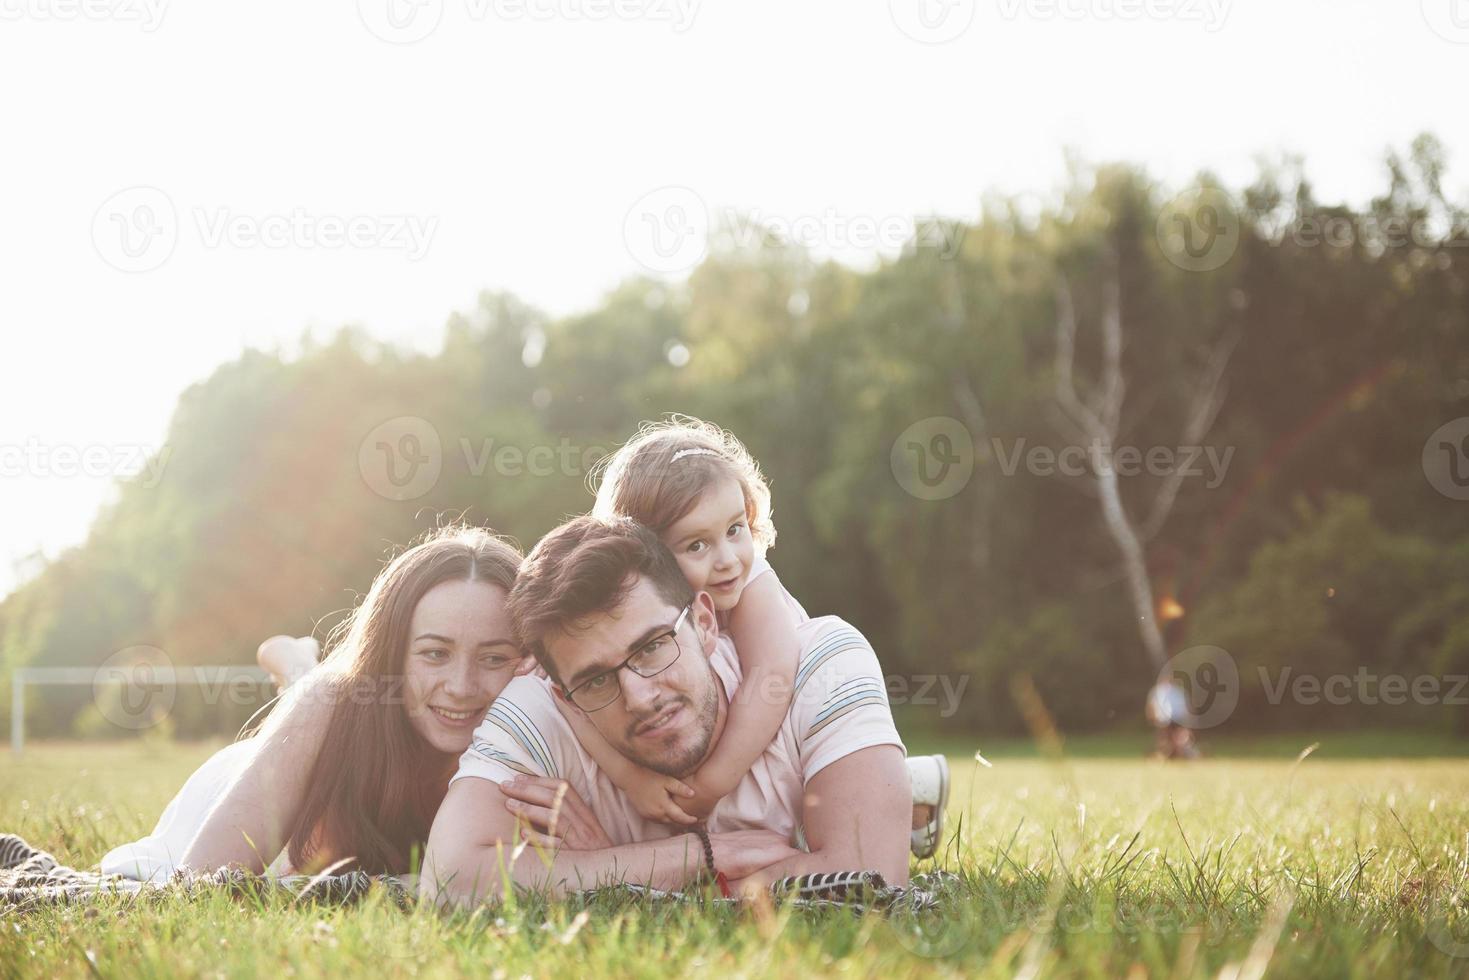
(354, 760)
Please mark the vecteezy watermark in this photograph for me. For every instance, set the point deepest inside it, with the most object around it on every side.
(1375, 233)
(668, 230)
(97, 461)
(942, 691)
(1447, 925)
(137, 229)
(1446, 459)
(565, 458)
(1207, 678)
(1364, 687)
(1199, 230)
(1211, 13)
(1449, 19)
(147, 14)
(832, 229)
(409, 233)
(1207, 462)
(403, 458)
(134, 688)
(400, 21)
(949, 928)
(409, 21)
(932, 21)
(933, 458)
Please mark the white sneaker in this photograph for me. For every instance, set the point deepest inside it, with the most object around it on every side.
(930, 777)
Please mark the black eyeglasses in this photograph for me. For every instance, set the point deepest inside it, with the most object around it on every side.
(653, 657)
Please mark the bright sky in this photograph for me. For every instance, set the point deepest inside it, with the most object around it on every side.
(508, 144)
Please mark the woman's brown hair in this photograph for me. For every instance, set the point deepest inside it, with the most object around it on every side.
(368, 802)
(658, 475)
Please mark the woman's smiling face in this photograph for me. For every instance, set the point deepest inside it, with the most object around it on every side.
(460, 656)
(713, 545)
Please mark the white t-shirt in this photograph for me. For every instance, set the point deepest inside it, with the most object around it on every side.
(840, 707)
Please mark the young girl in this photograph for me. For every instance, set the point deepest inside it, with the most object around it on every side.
(700, 490)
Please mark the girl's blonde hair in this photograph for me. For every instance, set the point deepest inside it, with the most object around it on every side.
(658, 475)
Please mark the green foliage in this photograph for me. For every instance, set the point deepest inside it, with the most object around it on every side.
(1347, 359)
(1339, 594)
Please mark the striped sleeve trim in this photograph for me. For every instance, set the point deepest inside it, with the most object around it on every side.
(837, 642)
(513, 720)
(489, 753)
(854, 694)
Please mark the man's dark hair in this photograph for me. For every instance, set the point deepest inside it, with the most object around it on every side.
(585, 567)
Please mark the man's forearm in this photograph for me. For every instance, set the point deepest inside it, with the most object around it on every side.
(478, 876)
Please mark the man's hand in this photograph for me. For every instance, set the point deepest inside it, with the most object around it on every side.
(553, 814)
(856, 813)
(741, 853)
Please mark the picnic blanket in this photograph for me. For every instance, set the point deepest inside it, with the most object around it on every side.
(30, 877)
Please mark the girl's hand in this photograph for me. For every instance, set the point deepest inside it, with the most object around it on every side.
(658, 797)
(528, 665)
(555, 815)
(702, 798)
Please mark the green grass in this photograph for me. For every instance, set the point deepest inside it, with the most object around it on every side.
(1098, 867)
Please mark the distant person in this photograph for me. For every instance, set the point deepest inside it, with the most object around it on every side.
(1167, 707)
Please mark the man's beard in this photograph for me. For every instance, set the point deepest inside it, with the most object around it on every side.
(687, 759)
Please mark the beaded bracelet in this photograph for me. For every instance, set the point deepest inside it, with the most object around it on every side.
(719, 879)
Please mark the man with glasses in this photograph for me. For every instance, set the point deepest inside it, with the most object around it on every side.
(607, 612)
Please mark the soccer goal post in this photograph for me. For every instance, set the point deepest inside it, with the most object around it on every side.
(143, 692)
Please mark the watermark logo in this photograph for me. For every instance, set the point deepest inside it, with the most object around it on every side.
(135, 687)
(1446, 459)
(1449, 19)
(1211, 13)
(1364, 687)
(96, 461)
(933, 458)
(1373, 233)
(402, 458)
(400, 21)
(1448, 926)
(932, 21)
(833, 229)
(670, 230)
(937, 933)
(408, 233)
(1199, 230)
(1208, 679)
(1209, 463)
(540, 460)
(410, 21)
(136, 229)
(942, 691)
(147, 14)
(667, 230)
